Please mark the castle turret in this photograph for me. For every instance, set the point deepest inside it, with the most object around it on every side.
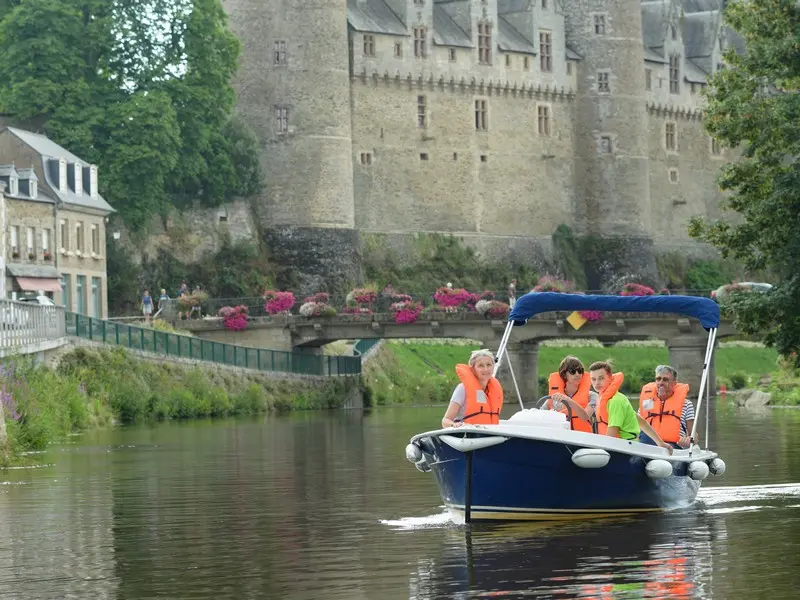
(612, 187)
(293, 89)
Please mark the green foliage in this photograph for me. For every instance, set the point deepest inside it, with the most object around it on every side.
(709, 274)
(141, 88)
(439, 259)
(567, 254)
(754, 104)
(738, 380)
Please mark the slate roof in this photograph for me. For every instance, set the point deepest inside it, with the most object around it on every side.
(38, 271)
(47, 148)
(446, 31)
(700, 33)
(505, 7)
(511, 40)
(374, 16)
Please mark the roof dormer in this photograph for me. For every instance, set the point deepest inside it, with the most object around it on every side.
(10, 176)
(75, 178)
(28, 183)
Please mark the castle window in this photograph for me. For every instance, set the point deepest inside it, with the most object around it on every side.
(544, 120)
(673, 175)
(674, 73)
(423, 156)
(599, 24)
(673, 32)
(544, 4)
(569, 68)
(485, 44)
(716, 147)
(282, 119)
(508, 60)
(526, 62)
(648, 79)
(422, 112)
(603, 83)
(670, 137)
(420, 42)
(398, 49)
(366, 158)
(279, 53)
(419, 2)
(481, 115)
(546, 51)
(452, 54)
(605, 144)
(484, 158)
(720, 66)
(369, 45)
(455, 155)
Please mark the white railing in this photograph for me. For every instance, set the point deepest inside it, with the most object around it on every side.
(24, 324)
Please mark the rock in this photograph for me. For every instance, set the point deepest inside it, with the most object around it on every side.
(758, 399)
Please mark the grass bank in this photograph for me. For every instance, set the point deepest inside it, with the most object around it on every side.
(94, 388)
(423, 372)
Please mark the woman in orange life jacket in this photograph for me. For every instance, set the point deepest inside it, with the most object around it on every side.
(572, 385)
(615, 415)
(478, 399)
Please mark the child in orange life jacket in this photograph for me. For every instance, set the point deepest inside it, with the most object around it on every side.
(478, 399)
(615, 415)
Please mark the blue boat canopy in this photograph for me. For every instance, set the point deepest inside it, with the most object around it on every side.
(703, 309)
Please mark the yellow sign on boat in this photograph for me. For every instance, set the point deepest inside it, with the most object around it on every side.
(576, 320)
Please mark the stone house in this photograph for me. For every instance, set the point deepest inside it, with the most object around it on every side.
(54, 224)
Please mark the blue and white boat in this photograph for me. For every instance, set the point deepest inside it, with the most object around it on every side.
(533, 466)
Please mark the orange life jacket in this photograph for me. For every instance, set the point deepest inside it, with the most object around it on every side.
(602, 402)
(581, 397)
(483, 411)
(669, 429)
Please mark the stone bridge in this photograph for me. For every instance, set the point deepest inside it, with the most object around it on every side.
(685, 338)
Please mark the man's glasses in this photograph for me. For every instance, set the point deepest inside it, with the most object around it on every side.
(578, 371)
(664, 379)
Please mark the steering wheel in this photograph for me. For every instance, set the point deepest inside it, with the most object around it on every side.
(543, 400)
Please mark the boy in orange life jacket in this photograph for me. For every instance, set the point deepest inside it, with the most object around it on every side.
(615, 415)
(664, 405)
(478, 399)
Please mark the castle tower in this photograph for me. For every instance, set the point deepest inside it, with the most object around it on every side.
(612, 181)
(293, 89)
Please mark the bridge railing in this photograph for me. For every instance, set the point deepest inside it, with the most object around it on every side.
(23, 323)
(184, 346)
(255, 304)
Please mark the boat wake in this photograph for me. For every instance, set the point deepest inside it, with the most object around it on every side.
(442, 519)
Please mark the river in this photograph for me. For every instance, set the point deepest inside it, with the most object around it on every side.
(325, 505)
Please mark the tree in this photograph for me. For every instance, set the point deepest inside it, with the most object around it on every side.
(754, 105)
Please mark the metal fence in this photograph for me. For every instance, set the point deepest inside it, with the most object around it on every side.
(361, 347)
(24, 323)
(184, 346)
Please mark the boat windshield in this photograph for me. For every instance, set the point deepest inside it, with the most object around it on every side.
(703, 309)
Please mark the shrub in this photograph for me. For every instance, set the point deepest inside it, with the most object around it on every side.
(278, 302)
(317, 309)
(492, 308)
(636, 289)
(234, 317)
(738, 380)
(551, 283)
(361, 297)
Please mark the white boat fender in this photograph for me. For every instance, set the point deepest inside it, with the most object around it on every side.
(717, 466)
(590, 458)
(697, 470)
(658, 469)
(413, 453)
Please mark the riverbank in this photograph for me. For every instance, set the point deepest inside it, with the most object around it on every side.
(423, 372)
(101, 387)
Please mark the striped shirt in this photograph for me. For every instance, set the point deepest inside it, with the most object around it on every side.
(687, 414)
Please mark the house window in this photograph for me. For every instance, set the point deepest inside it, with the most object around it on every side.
(422, 112)
(481, 115)
(31, 246)
(45, 239)
(95, 239)
(97, 309)
(15, 239)
(366, 158)
(603, 84)
(546, 51)
(648, 79)
(569, 68)
(508, 60)
(369, 45)
(420, 43)
(670, 137)
(452, 54)
(544, 120)
(716, 147)
(282, 119)
(398, 49)
(673, 175)
(279, 53)
(605, 144)
(485, 44)
(66, 291)
(674, 73)
(526, 62)
(64, 233)
(599, 24)
(79, 241)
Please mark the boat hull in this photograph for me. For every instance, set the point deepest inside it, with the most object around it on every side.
(533, 479)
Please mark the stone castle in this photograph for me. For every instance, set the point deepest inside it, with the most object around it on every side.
(492, 120)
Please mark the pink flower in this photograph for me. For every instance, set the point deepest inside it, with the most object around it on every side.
(591, 315)
(550, 283)
(452, 297)
(636, 289)
(278, 302)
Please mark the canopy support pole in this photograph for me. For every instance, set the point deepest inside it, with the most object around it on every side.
(501, 350)
(516, 387)
(712, 337)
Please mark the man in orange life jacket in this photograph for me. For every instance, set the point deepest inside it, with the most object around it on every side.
(478, 399)
(664, 405)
